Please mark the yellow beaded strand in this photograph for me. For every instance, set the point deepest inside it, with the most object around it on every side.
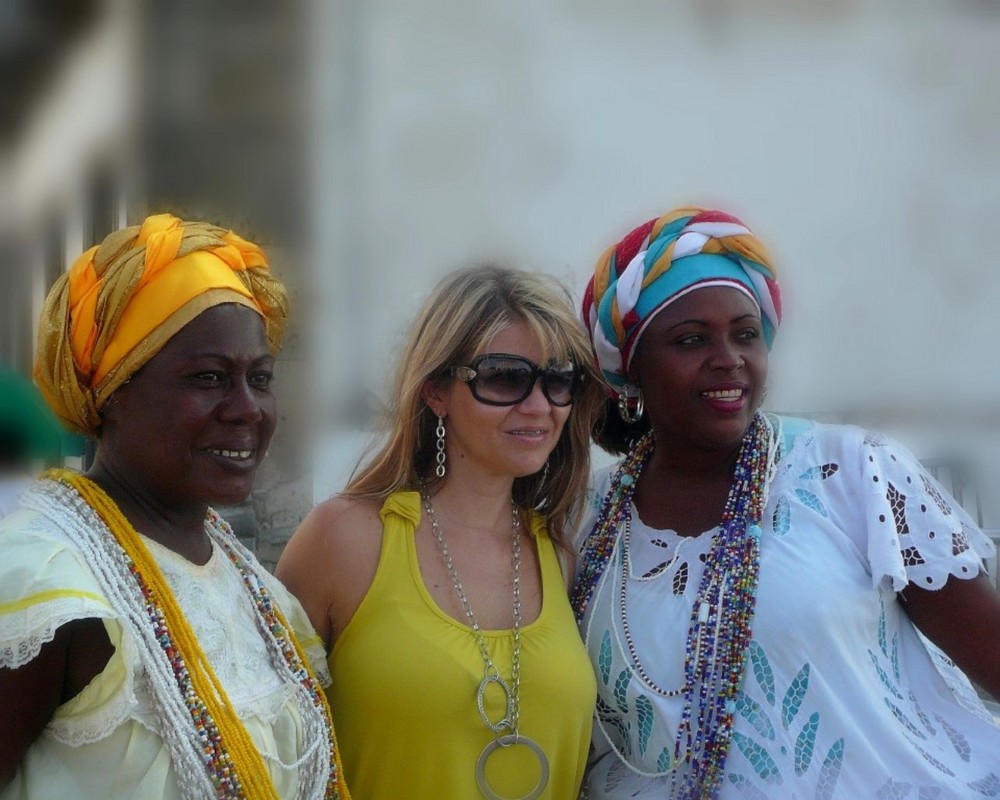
(247, 762)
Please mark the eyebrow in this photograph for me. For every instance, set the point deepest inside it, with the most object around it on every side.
(702, 322)
(222, 357)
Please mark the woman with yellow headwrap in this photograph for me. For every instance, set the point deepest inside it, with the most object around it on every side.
(143, 651)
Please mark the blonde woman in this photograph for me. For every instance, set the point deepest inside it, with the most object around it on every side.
(435, 578)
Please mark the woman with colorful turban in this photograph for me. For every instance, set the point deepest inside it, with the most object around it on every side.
(143, 651)
(755, 592)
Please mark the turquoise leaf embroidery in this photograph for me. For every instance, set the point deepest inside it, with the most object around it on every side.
(958, 740)
(830, 771)
(795, 695)
(604, 657)
(759, 759)
(921, 715)
(762, 670)
(644, 709)
(805, 743)
(782, 517)
(746, 788)
(895, 655)
(933, 761)
(881, 634)
(664, 761)
(902, 719)
(621, 686)
(615, 775)
(989, 786)
(884, 677)
(822, 472)
(609, 717)
(895, 790)
(812, 501)
(754, 713)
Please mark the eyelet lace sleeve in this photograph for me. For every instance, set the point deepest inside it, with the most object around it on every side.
(917, 532)
(43, 585)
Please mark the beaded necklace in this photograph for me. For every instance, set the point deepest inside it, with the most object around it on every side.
(136, 586)
(720, 629)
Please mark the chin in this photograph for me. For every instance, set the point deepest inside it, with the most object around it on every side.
(231, 494)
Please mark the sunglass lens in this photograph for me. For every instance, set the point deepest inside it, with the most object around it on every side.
(560, 386)
(502, 380)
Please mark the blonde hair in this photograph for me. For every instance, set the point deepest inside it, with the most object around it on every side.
(463, 313)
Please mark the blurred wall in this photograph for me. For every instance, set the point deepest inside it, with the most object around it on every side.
(858, 138)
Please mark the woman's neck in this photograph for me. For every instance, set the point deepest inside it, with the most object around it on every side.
(475, 504)
(179, 529)
(685, 488)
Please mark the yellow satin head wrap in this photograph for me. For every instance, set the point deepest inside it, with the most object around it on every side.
(124, 298)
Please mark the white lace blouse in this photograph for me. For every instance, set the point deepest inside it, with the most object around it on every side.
(841, 697)
(107, 742)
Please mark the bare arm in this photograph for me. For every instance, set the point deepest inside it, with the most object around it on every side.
(330, 562)
(30, 694)
(963, 619)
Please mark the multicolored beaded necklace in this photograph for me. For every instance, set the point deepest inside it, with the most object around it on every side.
(234, 766)
(720, 629)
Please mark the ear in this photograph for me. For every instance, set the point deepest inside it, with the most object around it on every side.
(435, 395)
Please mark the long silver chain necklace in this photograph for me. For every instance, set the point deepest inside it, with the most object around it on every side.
(505, 731)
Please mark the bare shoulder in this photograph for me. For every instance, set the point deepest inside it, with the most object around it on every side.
(330, 561)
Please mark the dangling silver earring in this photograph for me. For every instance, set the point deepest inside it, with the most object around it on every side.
(629, 393)
(439, 470)
(545, 473)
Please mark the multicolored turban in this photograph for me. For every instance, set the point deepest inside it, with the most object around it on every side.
(662, 260)
(124, 298)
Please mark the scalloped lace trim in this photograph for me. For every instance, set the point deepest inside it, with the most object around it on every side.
(23, 634)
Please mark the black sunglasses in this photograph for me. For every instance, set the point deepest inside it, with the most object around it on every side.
(501, 379)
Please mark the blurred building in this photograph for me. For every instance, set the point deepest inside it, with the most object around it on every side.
(116, 109)
(371, 147)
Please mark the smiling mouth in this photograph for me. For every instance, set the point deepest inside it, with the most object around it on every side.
(528, 432)
(239, 455)
(724, 394)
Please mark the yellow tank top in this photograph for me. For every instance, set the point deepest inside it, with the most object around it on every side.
(405, 676)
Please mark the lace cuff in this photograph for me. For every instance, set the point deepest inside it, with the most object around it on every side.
(29, 623)
(917, 533)
(106, 702)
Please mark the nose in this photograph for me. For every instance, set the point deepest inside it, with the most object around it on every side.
(536, 402)
(727, 356)
(241, 404)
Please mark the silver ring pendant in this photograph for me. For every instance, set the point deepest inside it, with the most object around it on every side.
(510, 740)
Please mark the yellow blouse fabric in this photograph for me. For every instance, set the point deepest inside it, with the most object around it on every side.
(106, 743)
(405, 674)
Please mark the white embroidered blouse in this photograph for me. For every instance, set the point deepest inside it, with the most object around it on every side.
(842, 697)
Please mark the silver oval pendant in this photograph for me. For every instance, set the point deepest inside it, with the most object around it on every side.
(503, 724)
(509, 741)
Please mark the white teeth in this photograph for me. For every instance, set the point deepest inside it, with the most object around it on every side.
(724, 394)
(232, 453)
